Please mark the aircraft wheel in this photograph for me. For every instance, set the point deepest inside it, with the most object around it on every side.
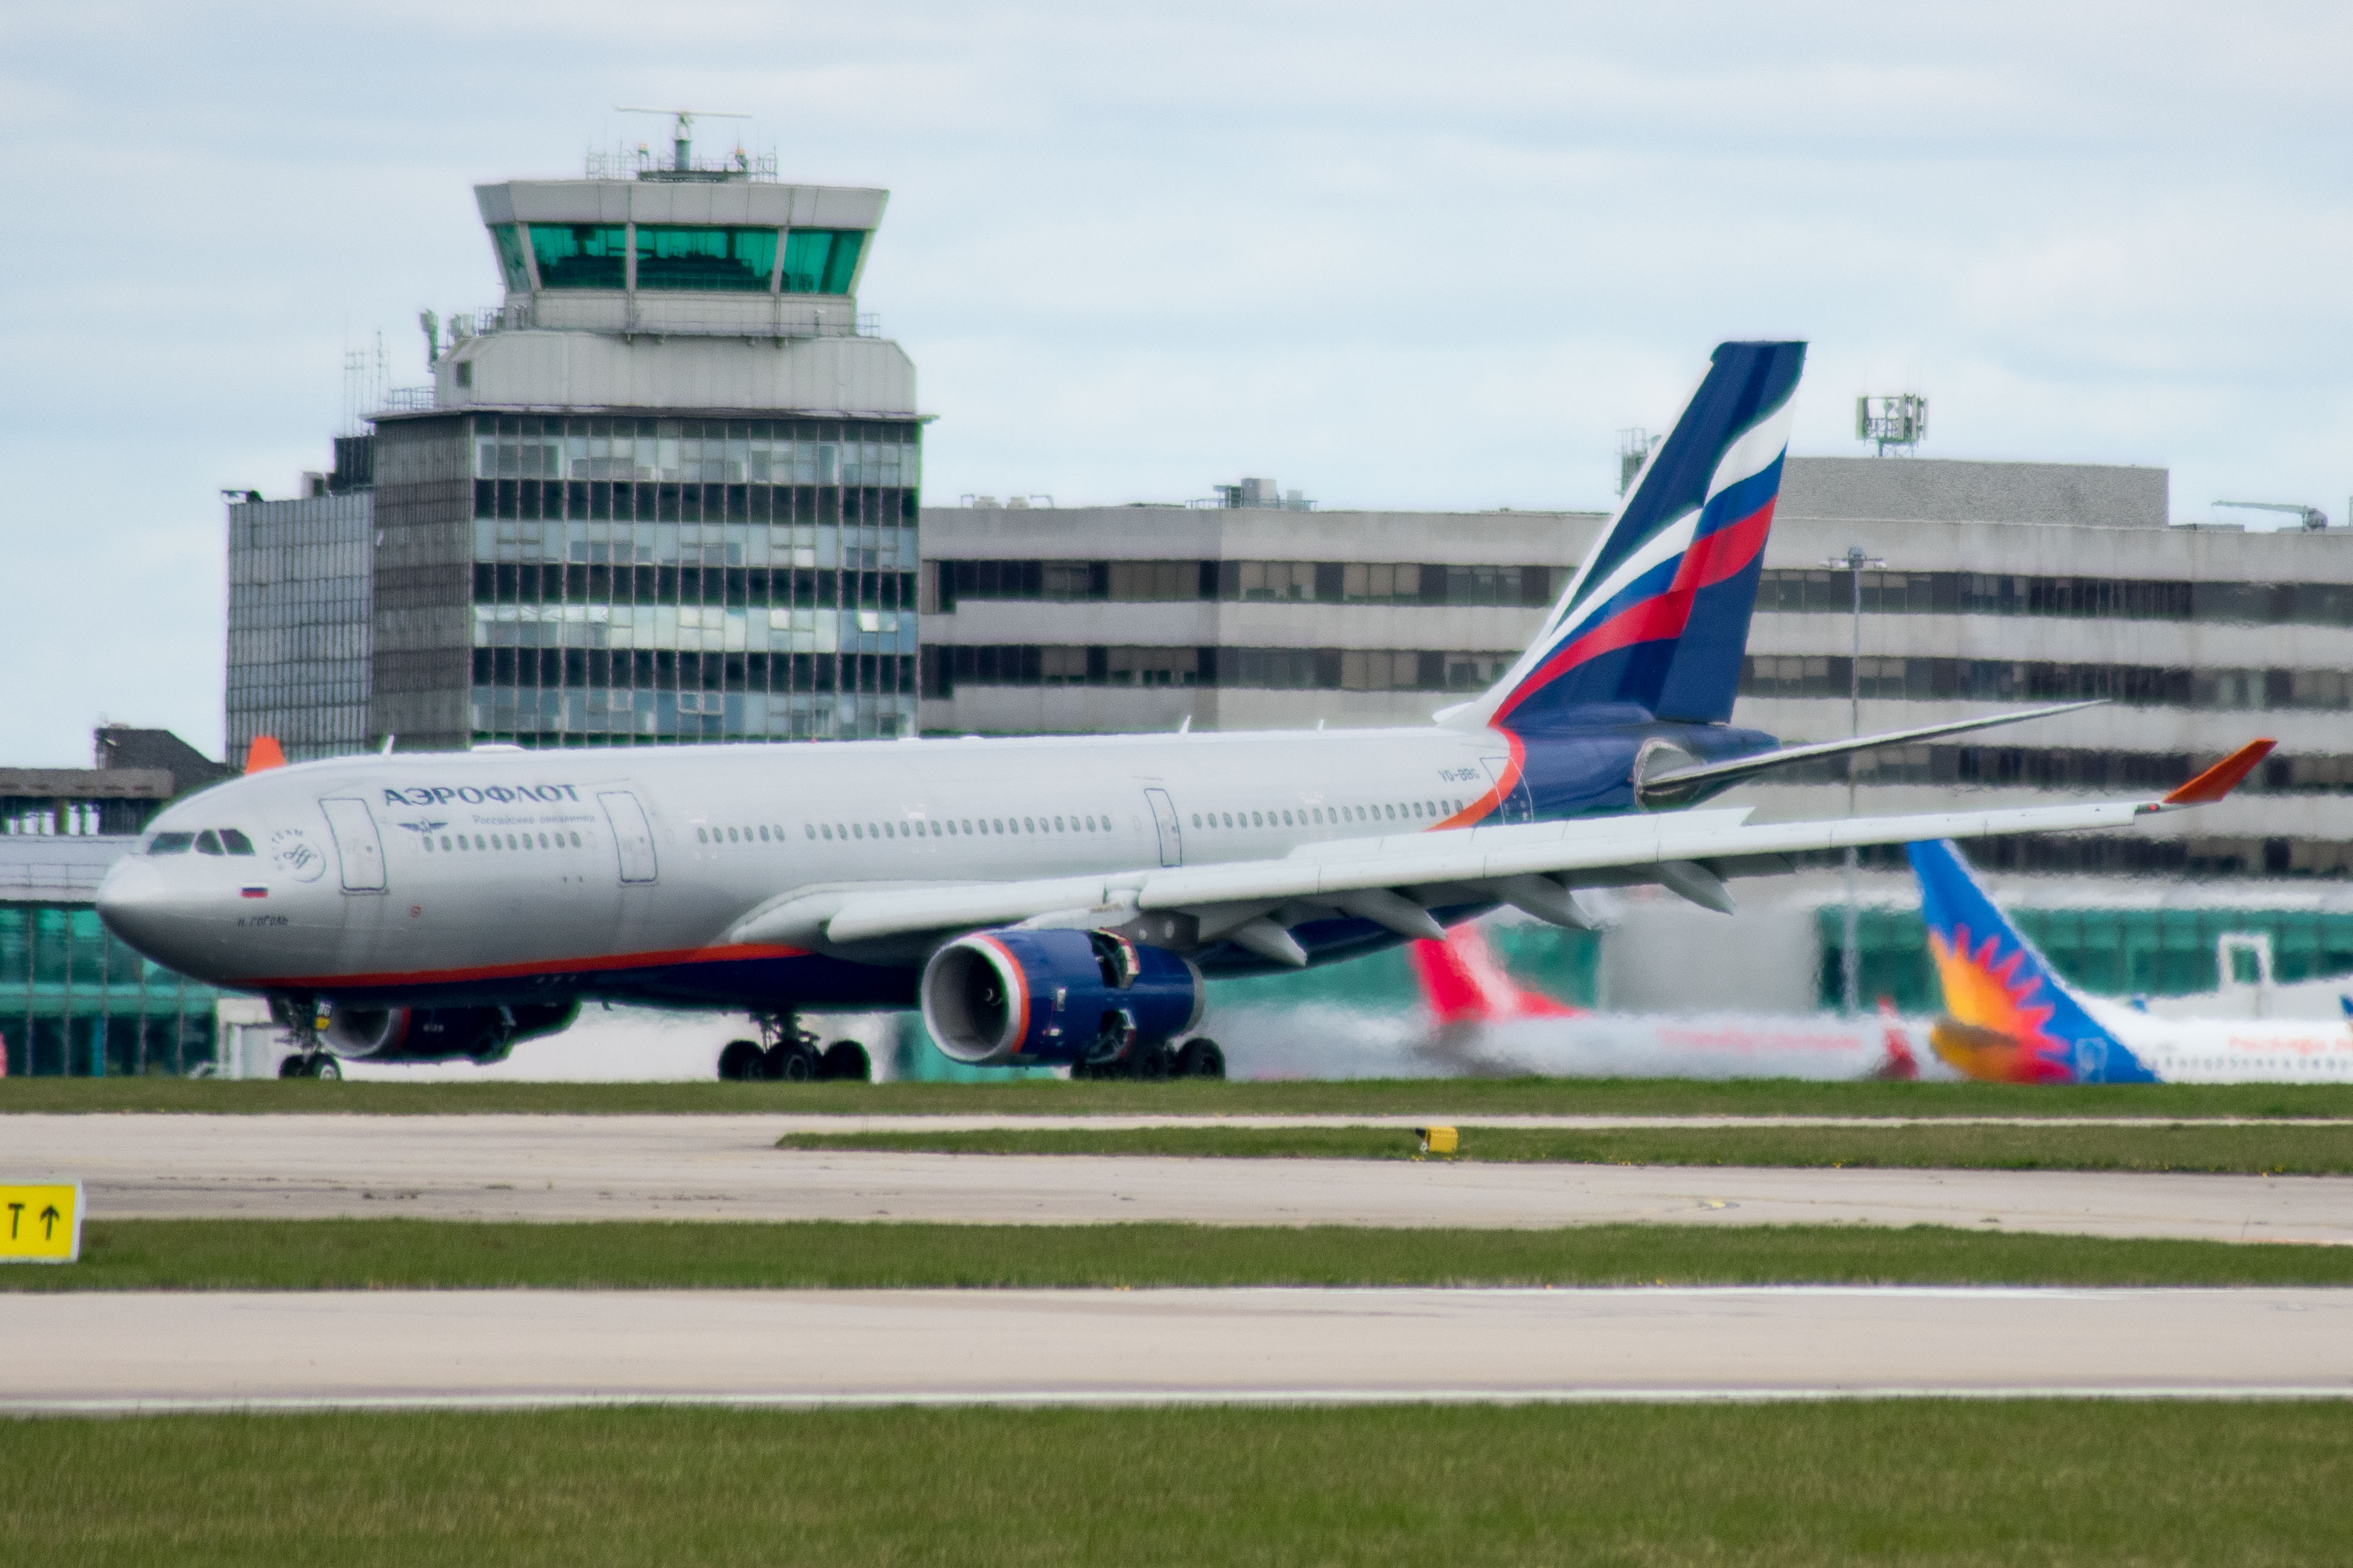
(326, 1070)
(845, 1061)
(789, 1063)
(741, 1062)
(1201, 1058)
(292, 1067)
(1148, 1061)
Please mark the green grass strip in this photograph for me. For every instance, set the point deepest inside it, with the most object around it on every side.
(1369, 1097)
(2270, 1148)
(407, 1254)
(1955, 1484)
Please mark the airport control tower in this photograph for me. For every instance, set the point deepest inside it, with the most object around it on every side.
(666, 490)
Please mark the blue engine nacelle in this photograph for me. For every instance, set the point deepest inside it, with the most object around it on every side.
(1021, 998)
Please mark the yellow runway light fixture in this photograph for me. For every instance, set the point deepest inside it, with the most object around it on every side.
(1437, 1139)
(40, 1221)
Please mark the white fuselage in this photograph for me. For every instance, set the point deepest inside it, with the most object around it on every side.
(2247, 1050)
(620, 872)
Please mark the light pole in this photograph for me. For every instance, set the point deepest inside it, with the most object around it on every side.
(1854, 563)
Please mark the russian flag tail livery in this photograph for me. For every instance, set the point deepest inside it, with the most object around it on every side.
(2008, 1018)
(1657, 615)
(1462, 984)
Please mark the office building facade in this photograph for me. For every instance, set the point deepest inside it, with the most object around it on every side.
(667, 490)
(1989, 585)
(299, 613)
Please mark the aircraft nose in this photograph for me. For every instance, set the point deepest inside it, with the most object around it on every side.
(138, 904)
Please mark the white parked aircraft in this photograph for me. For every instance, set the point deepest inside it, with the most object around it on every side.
(2008, 1018)
(1487, 1023)
(1053, 900)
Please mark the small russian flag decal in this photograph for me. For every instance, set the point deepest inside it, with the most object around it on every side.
(255, 892)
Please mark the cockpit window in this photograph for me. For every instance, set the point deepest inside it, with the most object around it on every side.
(209, 843)
(236, 843)
(170, 844)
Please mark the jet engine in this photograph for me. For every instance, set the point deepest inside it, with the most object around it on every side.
(439, 1034)
(1019, 998)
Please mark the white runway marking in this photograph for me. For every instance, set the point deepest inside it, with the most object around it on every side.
(725, 1167)
(106, 1353)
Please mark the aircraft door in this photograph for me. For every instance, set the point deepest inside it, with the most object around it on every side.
(1172, 837)
(1515, 805)
(633, 837)
(357, 844)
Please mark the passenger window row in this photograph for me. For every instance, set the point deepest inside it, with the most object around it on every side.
(508, 841)
(954, 827)
(211, 841)
(919, 827)
(1320, 816)
(731, 836)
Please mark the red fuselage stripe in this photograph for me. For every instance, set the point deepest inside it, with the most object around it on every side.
(605, 963)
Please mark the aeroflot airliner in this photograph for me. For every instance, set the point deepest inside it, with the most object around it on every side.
(2008, 1018)
(1047, 901)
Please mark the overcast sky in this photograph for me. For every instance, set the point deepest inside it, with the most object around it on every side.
(1393, 255)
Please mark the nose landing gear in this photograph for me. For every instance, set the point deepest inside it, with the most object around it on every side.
(299, 1016)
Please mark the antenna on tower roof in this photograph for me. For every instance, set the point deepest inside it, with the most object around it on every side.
(682, 131)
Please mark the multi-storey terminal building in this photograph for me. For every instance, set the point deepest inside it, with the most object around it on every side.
(1988, 584)
(666, 490)
(73, 998)
(299, 610)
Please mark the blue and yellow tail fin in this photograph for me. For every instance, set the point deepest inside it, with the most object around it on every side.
(2009, 1017)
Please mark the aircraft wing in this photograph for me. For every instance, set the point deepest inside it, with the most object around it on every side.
(1395, 881)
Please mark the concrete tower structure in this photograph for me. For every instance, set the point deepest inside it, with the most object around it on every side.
(666, 490)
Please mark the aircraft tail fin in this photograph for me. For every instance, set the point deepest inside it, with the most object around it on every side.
(1898, 1065)
(1656, 618)
(2009, 1017)
(1462, 982)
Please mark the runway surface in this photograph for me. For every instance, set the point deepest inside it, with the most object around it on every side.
(157, 1352)
(725, 1167)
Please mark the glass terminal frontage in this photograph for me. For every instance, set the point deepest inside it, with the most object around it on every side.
(76, 1002)
(643, 581)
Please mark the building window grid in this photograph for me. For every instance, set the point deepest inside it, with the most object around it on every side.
(1247, 582)
(298, 635)
(947, 666)
(1796, 676)
(1779, 591)
(702, 603)
(1813, 592)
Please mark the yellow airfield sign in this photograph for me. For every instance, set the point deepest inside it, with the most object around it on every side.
(40, 1222)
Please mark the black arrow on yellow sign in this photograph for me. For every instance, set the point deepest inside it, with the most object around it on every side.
(49, 1222)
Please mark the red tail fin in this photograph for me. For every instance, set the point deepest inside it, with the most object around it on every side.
(1899, 1062)
(1462, 984)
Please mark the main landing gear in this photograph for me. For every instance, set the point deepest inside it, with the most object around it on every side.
(1194, 1059)
(786, 1053)
(299, 1016)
